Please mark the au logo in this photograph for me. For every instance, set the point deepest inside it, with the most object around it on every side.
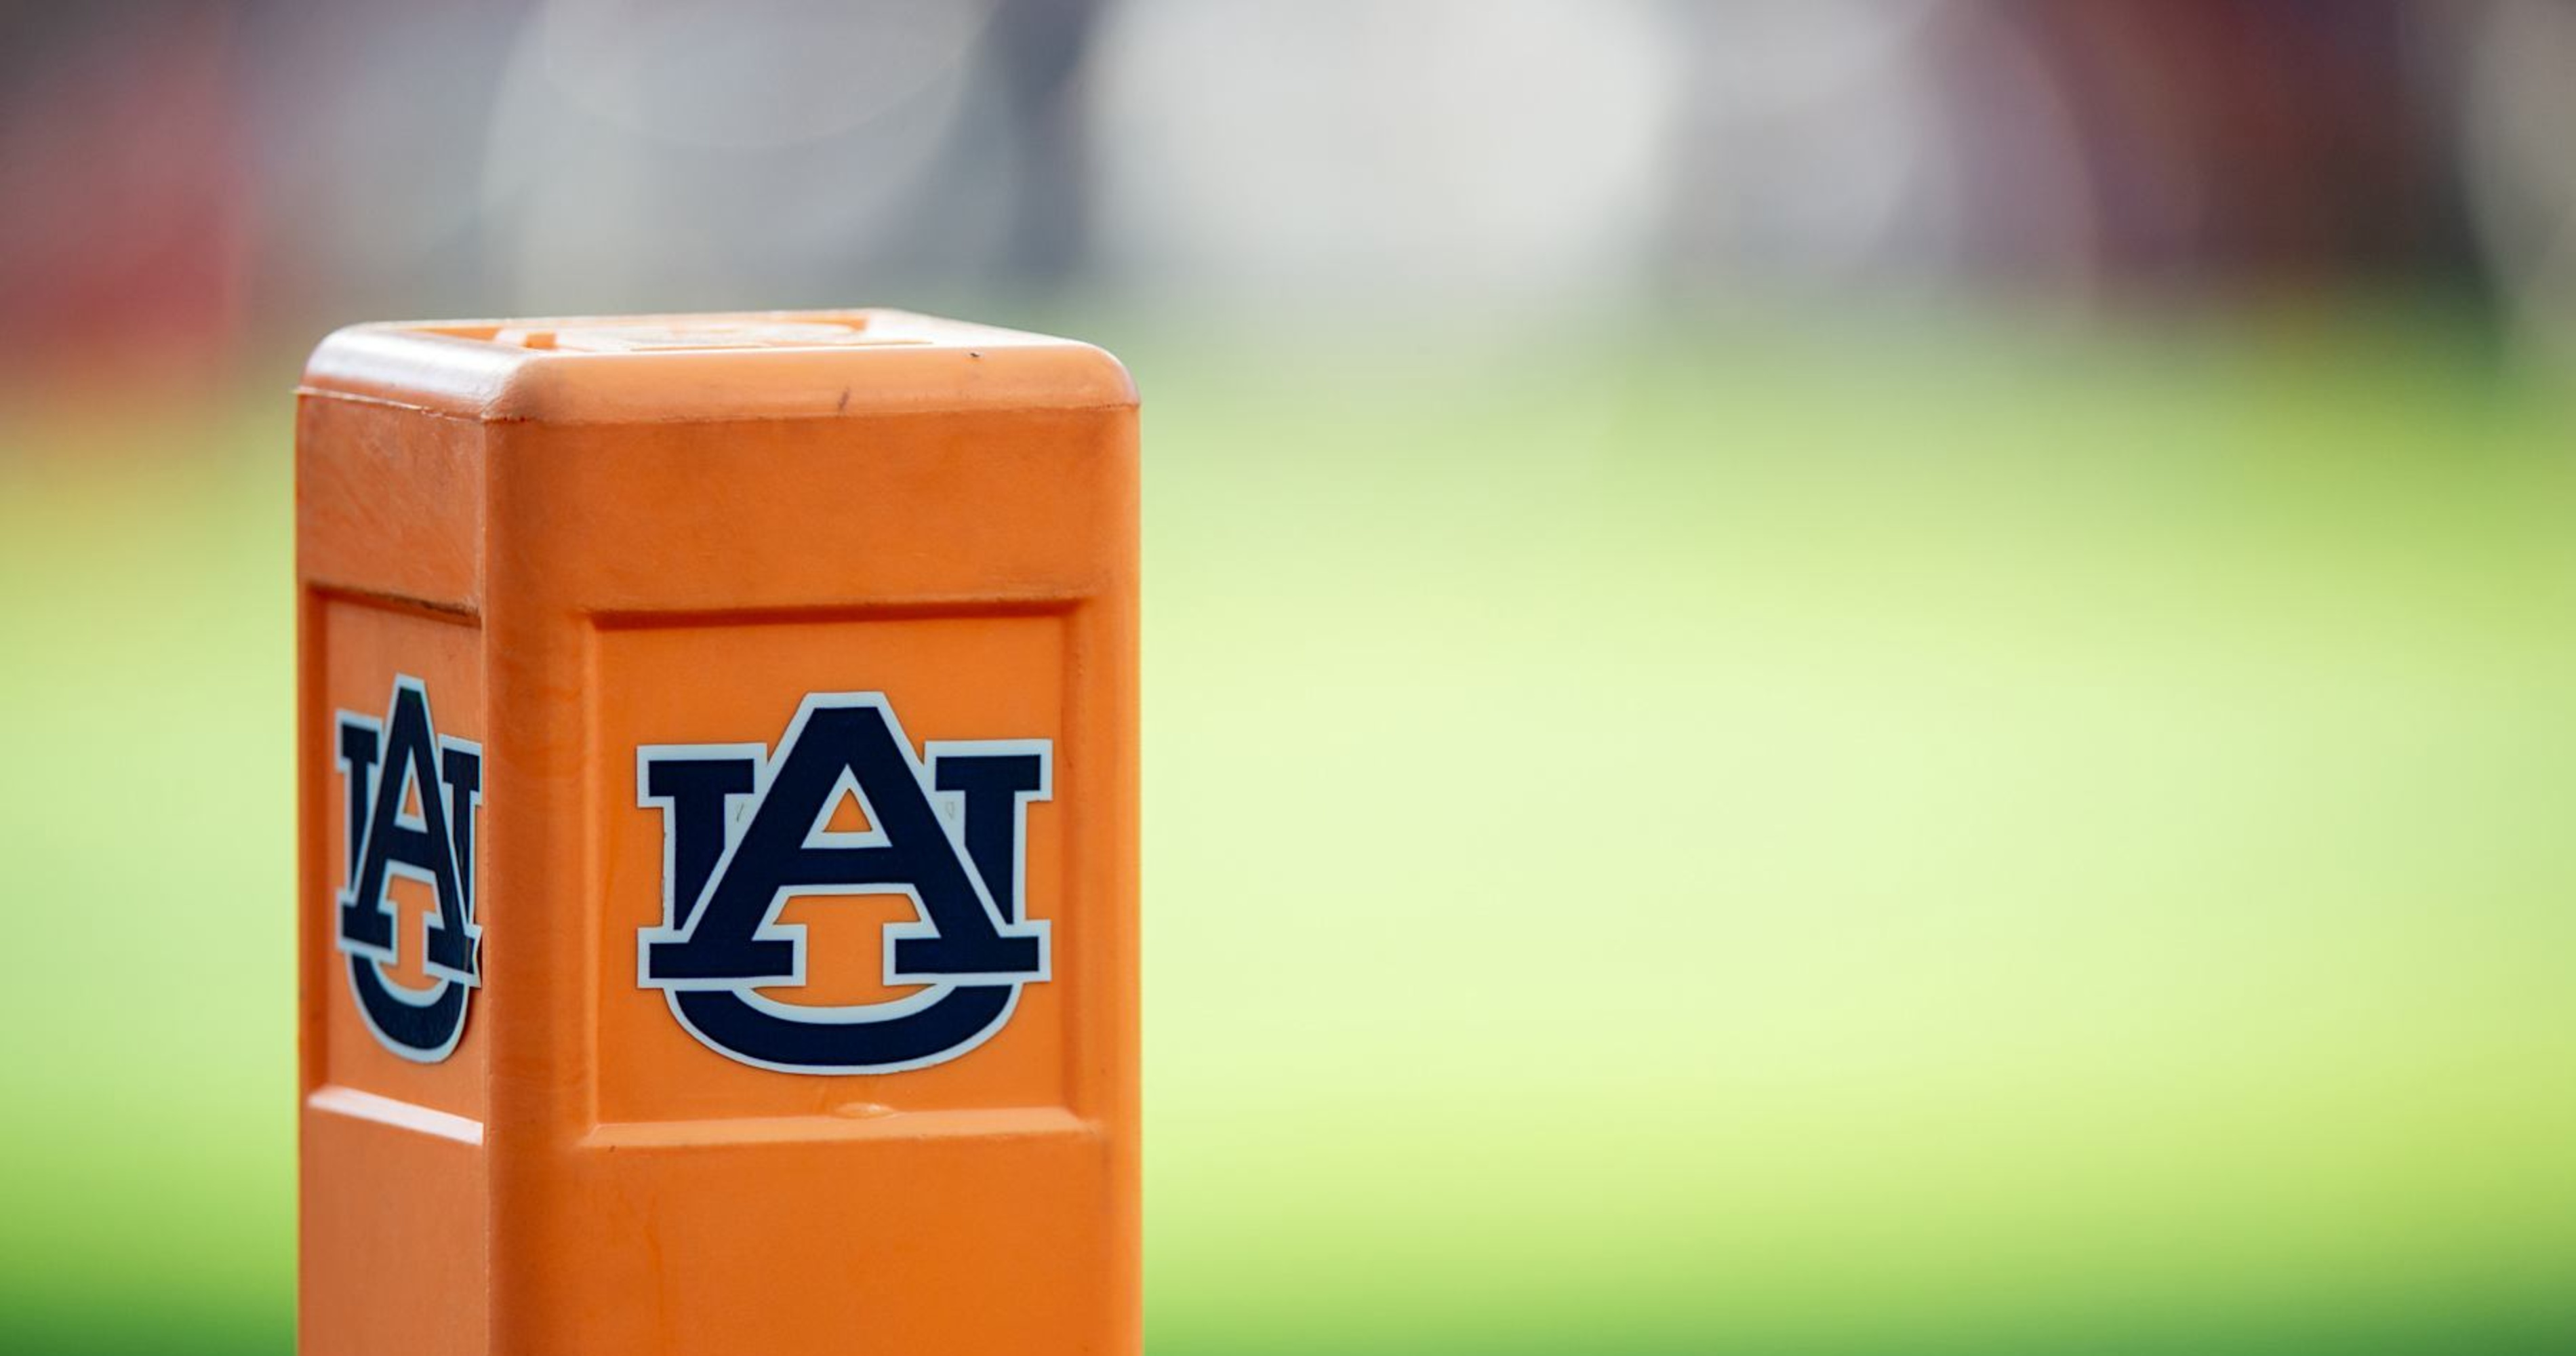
(745, 828)
(412, 798)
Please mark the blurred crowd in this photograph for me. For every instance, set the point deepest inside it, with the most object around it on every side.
(186, 182)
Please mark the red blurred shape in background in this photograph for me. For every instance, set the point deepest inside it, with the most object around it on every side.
(124, 161)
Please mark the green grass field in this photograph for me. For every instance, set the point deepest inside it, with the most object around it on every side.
(1955, 838)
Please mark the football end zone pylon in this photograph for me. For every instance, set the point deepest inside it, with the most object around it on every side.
(718, 839)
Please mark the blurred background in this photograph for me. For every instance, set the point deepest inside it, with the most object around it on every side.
(2040, 530)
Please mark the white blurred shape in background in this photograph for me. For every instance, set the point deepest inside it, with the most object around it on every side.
(1818, 138)
(1508, 148)
(371, 153)
(657, 155)
(1869, 143)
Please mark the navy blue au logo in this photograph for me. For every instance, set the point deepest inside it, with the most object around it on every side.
(412, 798)
(745, 828)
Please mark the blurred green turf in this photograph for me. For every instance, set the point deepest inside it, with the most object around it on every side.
(1943, 840)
